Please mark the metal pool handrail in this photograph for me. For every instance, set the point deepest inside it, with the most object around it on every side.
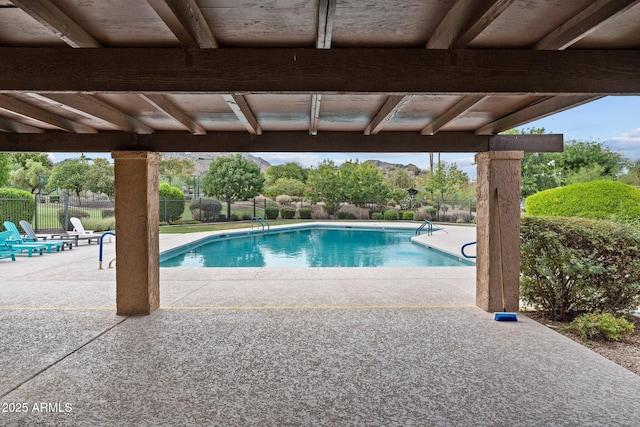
(427, 224)
(108, 233)
(260, 221)
(463, 248)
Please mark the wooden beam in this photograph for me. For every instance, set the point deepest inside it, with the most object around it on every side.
(164, 104)
(315, 114)
(48, 14)
(92, 107)
(486, 16)
(8, 125)
(551, 143)
(464, 21)
(538, 110)
(460, 107)
(241, 109)
(325, 142)
(326, 16)
(185, 19)
(390, 108)
(584, 23)
(322, 71)
(23, 109)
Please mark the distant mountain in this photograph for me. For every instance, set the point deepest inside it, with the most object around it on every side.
(202, 166)
(385, 167)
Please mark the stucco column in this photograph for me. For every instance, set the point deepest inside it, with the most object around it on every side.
(498, 230)
(137, 224)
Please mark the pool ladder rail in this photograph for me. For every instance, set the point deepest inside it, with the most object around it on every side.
(261, 222)
(464, 247)
(428, 224)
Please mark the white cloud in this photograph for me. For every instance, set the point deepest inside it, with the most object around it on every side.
(627, 144)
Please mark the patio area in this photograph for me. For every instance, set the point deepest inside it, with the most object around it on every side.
(273, 347)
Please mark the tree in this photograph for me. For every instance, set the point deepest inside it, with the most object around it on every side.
(42, 158)
(100, 177)
(446, 180)
(579, 156)
(352, 182)
(324, 186)
(5, 168)
(288, 186)
(362, 182)
(171, 202)
(233, 178)
(632, 177)
(289, 170)
(70, 175)
(28, 175)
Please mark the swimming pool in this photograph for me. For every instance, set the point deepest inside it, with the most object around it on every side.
(312, 247)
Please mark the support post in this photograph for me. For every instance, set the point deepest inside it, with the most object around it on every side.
(498, 250)
(137, 224)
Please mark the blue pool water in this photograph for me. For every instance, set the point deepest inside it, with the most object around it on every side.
(315, 247)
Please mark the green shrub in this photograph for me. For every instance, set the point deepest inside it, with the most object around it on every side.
(571, 266)
(102, 224)
(245, 217)
(601, 326)
(235, 216)
(345, 215)
(22, 207)
(171, 203)
(205, 209)
(108, 213)
(408, 215)
(391, 214)
(304, 213)
(82, 215)
(287, 213)
(376, 216)
(271, 212)
(597, 199)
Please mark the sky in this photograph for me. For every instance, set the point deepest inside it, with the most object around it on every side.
(613, 120)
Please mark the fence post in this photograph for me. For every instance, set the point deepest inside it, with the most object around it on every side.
(35, 211)
(254, 208)
(66, 212)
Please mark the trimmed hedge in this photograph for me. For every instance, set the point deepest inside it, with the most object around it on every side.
(391, 214)
(571, 266)
(408, 215)
(21, 207)
(171, 203)
(287, 213)
(271, 212)
(205, 209)
(304, 213)
(597, 199)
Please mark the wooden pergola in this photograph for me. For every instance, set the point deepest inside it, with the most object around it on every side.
(137, 77)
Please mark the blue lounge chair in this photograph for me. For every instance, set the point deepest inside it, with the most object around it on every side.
(17, 238)
(7, 252)
(5, 239)
(31, 236)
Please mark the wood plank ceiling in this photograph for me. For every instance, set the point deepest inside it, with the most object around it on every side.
(302, 75)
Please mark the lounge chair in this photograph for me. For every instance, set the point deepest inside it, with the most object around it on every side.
(80, 233)
(17, 239)
(31, 236)
(7, 252)
(30, 248)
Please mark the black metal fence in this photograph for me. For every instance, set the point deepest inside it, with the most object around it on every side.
(50, 213)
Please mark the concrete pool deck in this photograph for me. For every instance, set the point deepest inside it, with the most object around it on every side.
(272, 347)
